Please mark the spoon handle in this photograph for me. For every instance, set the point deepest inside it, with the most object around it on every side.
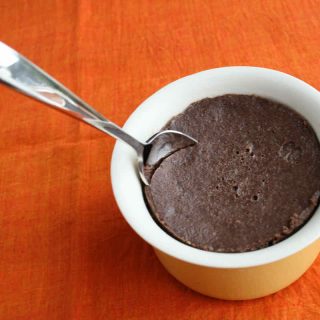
(22, 75)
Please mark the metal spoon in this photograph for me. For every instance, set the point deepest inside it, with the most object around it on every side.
(22, 75)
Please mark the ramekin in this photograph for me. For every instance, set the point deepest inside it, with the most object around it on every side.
(232, 276)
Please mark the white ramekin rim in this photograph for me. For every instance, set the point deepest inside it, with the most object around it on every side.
(147, 119)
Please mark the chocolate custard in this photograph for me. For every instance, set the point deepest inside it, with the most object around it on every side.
(251, 181)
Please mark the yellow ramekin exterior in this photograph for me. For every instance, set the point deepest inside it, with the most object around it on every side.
(241, 283)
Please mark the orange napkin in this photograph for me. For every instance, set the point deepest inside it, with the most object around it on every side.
(65, 250)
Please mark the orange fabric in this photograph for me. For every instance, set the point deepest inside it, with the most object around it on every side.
(65, 250)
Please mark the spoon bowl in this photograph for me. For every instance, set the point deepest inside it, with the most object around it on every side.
(158, 147)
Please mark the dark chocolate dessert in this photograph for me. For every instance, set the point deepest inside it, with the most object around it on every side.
(252, 180)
